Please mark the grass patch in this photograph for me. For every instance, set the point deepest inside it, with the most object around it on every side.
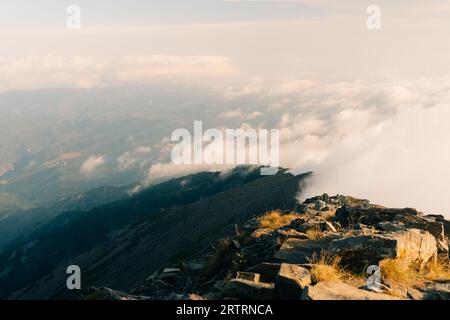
(315, 233)
(276, 219)
(327, 267)
(403, 272)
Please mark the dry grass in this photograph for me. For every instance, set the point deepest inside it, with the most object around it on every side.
(315, 233)
(402, 272)
(439, 270)
(275, 219)
(398, 271)
(327, 267)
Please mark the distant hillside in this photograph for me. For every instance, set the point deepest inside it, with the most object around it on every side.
(113, 231)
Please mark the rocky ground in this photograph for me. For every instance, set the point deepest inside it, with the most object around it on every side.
(322, 251)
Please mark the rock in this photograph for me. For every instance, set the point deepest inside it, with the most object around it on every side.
(415, 294)
(369, 214)
(337, 290)
(251, 276)
(268, 271)
(103, 293)
(290, 233)
(415, 245)
(170, 273)
(319, 205)
(249, 290)
(298, 251)
(358, 252)
(442, 246)
(437, 290)
(291, 280)
(390, 219)
(330, 226)
(316, 224)
(301, 208)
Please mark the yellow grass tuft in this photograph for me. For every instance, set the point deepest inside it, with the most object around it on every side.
(315, 233)
(275, 219)
(398, 271)
(406, 273)
(327, 267)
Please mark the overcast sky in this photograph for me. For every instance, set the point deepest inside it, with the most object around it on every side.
(291, 38)
(367, 110)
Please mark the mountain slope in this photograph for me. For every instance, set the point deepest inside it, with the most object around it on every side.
(73, 233)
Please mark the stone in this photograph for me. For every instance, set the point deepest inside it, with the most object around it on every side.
(319, 205)
(336, 290)
(251, 276)
(291, 280)
(301, 208)
(369, 214)
(358, 252)
(415, 245)
(249, 290)
(437, 290)
(93, 293)
(297, 251)
(290, 233)
(268, 271)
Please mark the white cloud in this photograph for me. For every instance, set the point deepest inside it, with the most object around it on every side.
(50, 71)
(91, 164)
(238, 113)
(134, 158)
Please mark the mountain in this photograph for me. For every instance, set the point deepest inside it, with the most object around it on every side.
(121, 242)
(328, 248)
(19, 223)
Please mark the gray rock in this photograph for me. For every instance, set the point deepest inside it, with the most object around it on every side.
(437, 290)
(249, 290)
(291, 280)
(298, 251)
(268, 271)
(251, 276)
(337, 290)
(319, 205)
(358, 252)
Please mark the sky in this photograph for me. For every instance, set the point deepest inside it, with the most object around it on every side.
(365, 109)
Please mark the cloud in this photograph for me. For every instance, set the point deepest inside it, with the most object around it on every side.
(92, 164)
(134, 158)
(387, 141)
(49, 71)
(238, 113)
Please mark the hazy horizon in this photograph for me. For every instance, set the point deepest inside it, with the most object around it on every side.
(365, 110)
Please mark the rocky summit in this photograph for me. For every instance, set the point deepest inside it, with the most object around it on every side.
(327, 248)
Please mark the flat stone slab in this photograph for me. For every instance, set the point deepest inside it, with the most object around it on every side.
(337, 290)
(299, 251)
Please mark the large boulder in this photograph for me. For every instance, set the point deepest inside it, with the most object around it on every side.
(348, 216)
(291, 280)
(336, 290)
(249, 290)
(358, 252)
(389, 219)
(415, 245)
(298, 251)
